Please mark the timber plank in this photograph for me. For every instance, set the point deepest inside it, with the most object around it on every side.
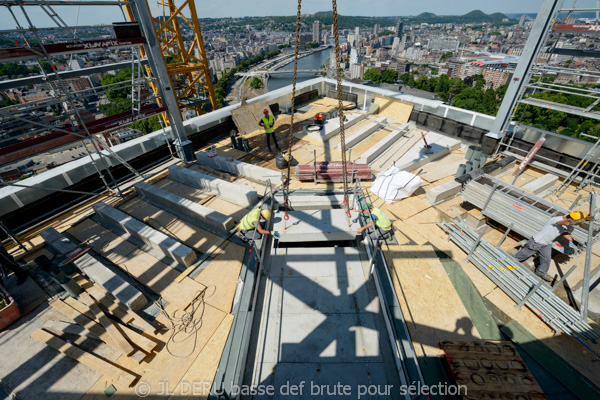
(83, 357)
(123, 344)
(86, 323)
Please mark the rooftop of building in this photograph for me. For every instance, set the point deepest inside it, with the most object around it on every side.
(441, 296)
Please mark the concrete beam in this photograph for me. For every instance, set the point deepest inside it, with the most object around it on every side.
(184, 208)
(92, 266)
(541, 184)
(227, 191)
(316, 226)
(381, 146)
(311, 202)
(154, 242)
(367, 130)
(440, 193)
(239, 168)
(332, 126)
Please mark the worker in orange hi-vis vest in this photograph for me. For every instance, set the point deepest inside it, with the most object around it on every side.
(268, 122)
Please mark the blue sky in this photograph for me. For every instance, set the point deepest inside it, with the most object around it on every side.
(237, 8)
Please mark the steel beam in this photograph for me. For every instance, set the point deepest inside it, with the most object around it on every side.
(34, 80)
(535, 43)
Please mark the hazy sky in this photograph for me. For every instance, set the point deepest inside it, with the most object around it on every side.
(237, 8)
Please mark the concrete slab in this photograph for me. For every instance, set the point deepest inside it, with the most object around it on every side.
(332, 126)
(156, 243)
(316, 225)
(382, 145)
(321, 325)
(540, 185)
(92, 266)
(184, 208)
(311, 202)
(239, 168)
(346, 295)
(324, 378)
(366, 130)
(228, 191)
(314, 337)
(416, 156)
(442, 192)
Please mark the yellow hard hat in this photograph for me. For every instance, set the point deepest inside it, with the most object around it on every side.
(266, 214)
(577, 215)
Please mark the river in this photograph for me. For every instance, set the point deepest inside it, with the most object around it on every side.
(314, 61)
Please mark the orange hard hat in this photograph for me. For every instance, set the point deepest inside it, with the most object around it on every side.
(266, 111)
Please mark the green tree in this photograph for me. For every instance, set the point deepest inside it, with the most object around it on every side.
(256, 83)
(389, 76)
(373, 75)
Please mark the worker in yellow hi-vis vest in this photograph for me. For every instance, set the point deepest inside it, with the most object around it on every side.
(383, 225)
(251, 221)
(268, 122)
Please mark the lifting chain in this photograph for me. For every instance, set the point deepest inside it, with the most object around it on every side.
(340, 104)
(291, 132)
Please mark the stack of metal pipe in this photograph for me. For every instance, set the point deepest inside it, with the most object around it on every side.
(517, 282)
(522, 211)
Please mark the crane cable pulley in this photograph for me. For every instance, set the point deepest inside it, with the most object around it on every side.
(340, 110)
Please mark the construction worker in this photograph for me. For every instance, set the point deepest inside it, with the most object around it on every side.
(383, 224)
(541, 242)
(251, 221)
(268, 122)
(7, 261)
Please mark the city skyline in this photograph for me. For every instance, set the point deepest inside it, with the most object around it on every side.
(240, 8)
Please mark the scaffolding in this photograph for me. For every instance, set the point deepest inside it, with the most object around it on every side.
(184, 55)
(539, 61)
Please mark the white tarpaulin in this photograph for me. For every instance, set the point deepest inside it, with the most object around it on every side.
(394, 185)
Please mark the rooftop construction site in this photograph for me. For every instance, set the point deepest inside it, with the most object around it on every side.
(327, 239)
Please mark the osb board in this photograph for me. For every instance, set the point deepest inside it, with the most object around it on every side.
(113, 248)
(332, 103)
(441, 168)
(246, 117)
(181, 190)
(357, 151)
(166, 368)
(146, 269)
(160, 278)
(440, 314)
(205, 368)
(225, 150)
(453, 207)
(221, 277)
(523, 179)
(146, 212)
(494, 236)
(224, 207)
(409, 230)
(407, 207)
(185, 232)
(402, 145)
(576, 277)
(395, 109)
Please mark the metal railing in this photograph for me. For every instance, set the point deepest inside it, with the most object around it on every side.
(405, 358)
